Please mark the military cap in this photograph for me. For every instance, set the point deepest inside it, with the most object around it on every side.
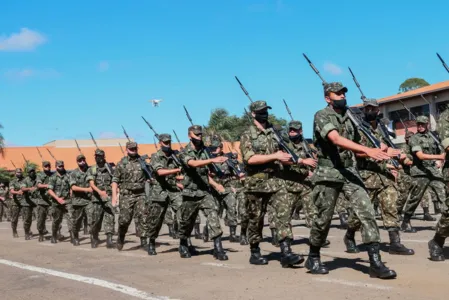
(422, 119)
(335, 87)
(196, 129)
(80, 156)
(258, 105)
(59, 163)
(99, 152)
(295, 125)
(31, 168)
(130, 145)
(164, 137)
(370, 102)
(18, 170)
(216, 142)
(46, 163)
(409, 134)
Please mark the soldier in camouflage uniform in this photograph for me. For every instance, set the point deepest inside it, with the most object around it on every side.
(81, 197)
(59, 190)
(99, 177)
(44, 200)
(424, 172)
(404, 178)
(335, 138)
(442, 229)
(165, 191)
(264, 163)
(29, 200)
(379, 179)
(196, 194)
(4, 209)
(16, 204)
(130, 178)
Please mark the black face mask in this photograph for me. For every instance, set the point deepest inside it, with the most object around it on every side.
(296, 138)
(166, 149)
(370, 116)
(100, 160)
(60, 171)
(197, 142)
(261, 117)
(339, 104)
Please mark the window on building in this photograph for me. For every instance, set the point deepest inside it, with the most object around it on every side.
(402, 117)
(442, 106)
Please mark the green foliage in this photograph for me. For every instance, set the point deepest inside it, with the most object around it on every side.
(5, 176)
(412, 84)
(29, 163)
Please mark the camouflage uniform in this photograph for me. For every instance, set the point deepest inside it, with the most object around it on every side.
(425, 174)
(44, 201)
(29, 202)
(404, 180)
(4, 209)
(16, 204)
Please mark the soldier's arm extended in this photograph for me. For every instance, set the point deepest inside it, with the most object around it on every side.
(416, 148)
(198, 163)
(15, 189)
(40, 184)
(25, 188)
(250, 157)
(76, 188)
(116, 179)
(51, 192)
(158, 166)
(91, 179)
(218, 187)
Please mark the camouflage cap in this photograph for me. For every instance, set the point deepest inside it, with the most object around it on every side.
(131, 145)
(422, 119)
(31, 168)
(164, 137)
(258, 105)
(216, 142)
(409, 134)
(46, 163)
(18, 170)
(335, 87)
(196, 129)
(370, 102)
(80, 157)
(295, 125)
(99, 152)
(59, 163)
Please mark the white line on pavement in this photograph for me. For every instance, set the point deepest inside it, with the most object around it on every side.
(89, 280)
(354, 283)
(227, 266)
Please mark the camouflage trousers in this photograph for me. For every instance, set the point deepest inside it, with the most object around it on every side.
(108, 219)
(42, 212)
(241, 209)
(303, 201)
(404, 186)
(342, 205)
(188, 212)
(257, 204)
(94, 213)
(175, 201)
(156, 217)
(419, 186)
(79, 212)
(27, 215)
(387, 197)
(133, 206)
(15, 213)
(229, 203)
(59, 213)
(4, 211)
(324, 197)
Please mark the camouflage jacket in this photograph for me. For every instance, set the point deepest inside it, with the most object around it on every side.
(60, 185)
(30, 198)
(102, 180)
(44, 197)
(296, 175)
(15, 185)
(5, 194)
(264, 178)
(334, 163)
(424, 142)
(79, 178)
(196, 180)
(161, 187)
(443, 133)
(130, 177)
(406, 150)
(227, 176)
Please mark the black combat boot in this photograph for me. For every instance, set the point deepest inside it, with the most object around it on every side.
(326, 243)
(313, 263)
(184, 249)
(14, 233)
(219, 252)
(205, 234)
(28, 235)
(94, 240)
(120, 239)
(436, 207)
(61, 237)
(232, 235)
(349, 240)
(109, 243)
(288, 258)
(45, 231)
(436, 248)
(395, 245)
(76, 239)
(41, 237)
(192, 248)
(152, 247)
(243, 238)
(343, 220)
(256, 258)
(427, 216)
(198, 235)
(54, 236)
(406, 226)
(175, 231)
(377, 268)
(144, 243)
(274, 237)
(170, 230)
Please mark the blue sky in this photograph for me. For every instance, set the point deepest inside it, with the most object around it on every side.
(67, 69)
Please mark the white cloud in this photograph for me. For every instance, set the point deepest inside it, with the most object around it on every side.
(103, 66)
(332, 68)
(21, 74)
(25, 40)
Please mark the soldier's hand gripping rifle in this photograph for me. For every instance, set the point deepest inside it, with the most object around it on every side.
(107, 165)
(141, 159)
(282, 145)
(366, 132)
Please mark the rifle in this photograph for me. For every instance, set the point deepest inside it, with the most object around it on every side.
(51, 154)
(444, 64)
(366, 132)
(40, 154)
(121, 149)
(282, 145)
(151, 127)
(26, 160)
(141, 159)
(214, 167)
(177, 139)
(155, 144)
(107, 165)
(13, 165)
(305, 145)
(402, 122)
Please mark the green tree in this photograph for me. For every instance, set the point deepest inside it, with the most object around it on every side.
(412, 84)
(5, 175)
(31, 164)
